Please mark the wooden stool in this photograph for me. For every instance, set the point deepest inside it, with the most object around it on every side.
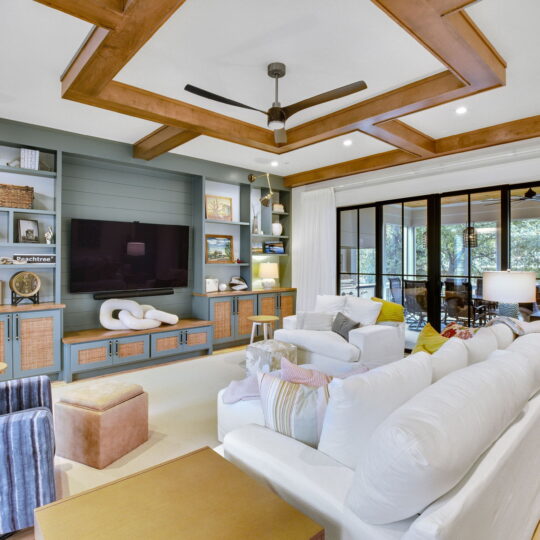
(3, 367)
(262, 320)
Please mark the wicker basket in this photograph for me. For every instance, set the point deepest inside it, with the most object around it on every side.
(16, 196)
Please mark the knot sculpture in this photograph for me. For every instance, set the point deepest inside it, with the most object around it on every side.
(117, 314)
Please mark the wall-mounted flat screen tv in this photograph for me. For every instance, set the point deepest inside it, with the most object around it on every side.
(123, 256)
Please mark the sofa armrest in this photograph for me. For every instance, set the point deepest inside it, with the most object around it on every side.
(289, 323)
(378, 344)
(28, 393)
(26, 466)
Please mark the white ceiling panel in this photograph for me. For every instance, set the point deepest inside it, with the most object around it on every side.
(41, 42)
(512, 27)
(310, 157)
(224, 47)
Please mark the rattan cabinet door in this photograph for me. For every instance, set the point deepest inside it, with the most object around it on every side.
(6, 356)
(222, 314)
(91, 355)
(246, 306)
(268, 305)
(196, 339)
(287, 305)
(166, 343)
(131, 349)
(36, 343)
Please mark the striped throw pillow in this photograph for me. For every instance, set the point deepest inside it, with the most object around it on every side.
(294, 410)
(296, 374)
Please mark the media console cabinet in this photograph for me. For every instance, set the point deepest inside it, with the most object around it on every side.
(103, 351)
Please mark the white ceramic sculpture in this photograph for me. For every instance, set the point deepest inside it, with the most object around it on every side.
(132, 316)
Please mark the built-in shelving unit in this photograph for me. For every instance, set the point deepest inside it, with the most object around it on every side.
(45, 180)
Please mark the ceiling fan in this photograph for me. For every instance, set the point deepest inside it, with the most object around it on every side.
(278, 115)
(529, 195)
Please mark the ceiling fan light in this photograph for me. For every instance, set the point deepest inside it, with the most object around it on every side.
(276, 124)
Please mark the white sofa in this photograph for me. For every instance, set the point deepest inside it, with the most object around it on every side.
(371, 345)
(498, 499)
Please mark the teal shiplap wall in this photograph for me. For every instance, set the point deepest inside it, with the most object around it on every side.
(96, 189)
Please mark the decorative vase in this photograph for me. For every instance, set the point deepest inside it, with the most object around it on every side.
(277, 228)
(255, 227)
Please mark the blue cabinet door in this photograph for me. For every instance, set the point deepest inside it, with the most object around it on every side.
(36, 343)
(6, 352)
(166, 343)
(222, 315)
(196, 339)
(92, 355)
(131, 349)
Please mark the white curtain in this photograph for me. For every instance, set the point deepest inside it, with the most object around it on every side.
(314, 264)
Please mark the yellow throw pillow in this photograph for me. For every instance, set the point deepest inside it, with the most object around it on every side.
(429, 340)
(390, 311)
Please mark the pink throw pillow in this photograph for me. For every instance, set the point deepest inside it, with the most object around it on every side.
(295, 374)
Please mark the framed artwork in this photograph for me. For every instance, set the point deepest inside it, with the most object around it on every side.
(219, 249)
(28, 230)
(219, 208)
(275, 248)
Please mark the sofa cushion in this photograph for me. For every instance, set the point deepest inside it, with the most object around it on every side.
(427, 446)
(503, 334)
(390, 311)
(429, 340)
(326, 343)
(481, 345)
(360, 403)
(451, 356)
(362, 310)
(314, 320)
(342, 325)
(328, 303)
(294, 410)
(529, 346)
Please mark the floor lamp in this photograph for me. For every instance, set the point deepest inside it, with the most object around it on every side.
(509, 289)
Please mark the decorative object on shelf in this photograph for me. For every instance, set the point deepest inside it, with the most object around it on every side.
(222, 287)
(277, 228)
(269, 272)
(265, 199)
(211, 284)
(219, 249)
(274, 248)
(509, 289)
(120, 314)
(28, 231)
(238, 283)
(470, 237)
(49, 258)
(24, 285)
(29, 159)
(255, 225)
(49, 236)
(16, 196)
(218, 208)
(278, 208)
(257, 248)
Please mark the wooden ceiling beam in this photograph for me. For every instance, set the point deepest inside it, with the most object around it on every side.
(104, 13)
(517, 130)
(160, 141)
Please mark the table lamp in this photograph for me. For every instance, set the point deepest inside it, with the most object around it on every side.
(509, 289)
(268, 272)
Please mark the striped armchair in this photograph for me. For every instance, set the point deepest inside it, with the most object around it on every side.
(26, 451)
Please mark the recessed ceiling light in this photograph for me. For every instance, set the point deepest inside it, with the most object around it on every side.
(274, 164)
(461, 110)
(347, 142)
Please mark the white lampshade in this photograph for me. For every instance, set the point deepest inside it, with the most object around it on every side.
(269, 270)
(136, 249)
(509, 287)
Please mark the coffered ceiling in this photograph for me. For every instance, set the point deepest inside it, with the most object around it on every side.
(224, 47)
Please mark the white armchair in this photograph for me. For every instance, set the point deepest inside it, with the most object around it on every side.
(371, 345)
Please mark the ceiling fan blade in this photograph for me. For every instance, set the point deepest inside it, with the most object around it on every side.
(215, 97)
(323, 98)
(280, 136)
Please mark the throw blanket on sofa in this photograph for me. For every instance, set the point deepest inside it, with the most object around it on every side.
(513, 324)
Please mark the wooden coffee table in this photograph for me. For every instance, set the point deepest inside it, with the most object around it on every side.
(197, 496)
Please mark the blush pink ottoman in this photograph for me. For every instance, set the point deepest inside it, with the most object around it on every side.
(98, 423)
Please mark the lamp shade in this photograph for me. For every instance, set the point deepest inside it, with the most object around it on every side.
(135, 249)
(509, 287)
(269, 270)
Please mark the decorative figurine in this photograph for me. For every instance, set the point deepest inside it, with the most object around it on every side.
(49, 235)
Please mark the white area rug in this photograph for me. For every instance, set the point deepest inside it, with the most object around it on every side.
(182, 418)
